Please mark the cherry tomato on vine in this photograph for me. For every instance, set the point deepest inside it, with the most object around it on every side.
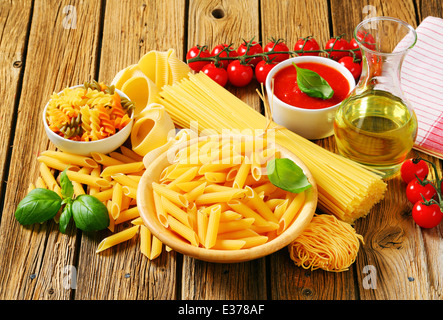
(427, 215)
(262, 69)
(218, 74)
(307, 44)
(193, 53)
(337, 44)
(219, 48)
(255, 48)
(354, 45)
(354, 67)
(239, 74)
(415, 189)
(279, 46)
(412, 168)
(366, 39)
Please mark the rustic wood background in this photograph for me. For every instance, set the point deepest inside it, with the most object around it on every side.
(41, 52)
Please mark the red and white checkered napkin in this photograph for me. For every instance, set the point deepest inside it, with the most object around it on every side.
(422, 84)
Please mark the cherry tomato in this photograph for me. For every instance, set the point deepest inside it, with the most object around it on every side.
(412, 168)
(219, 48)
(239, 74)
(354, 67)
(194, 52)
(280, 46)
(415, 190)
(354, 45)
(337, 44)
(254, 49)
(218, 74)
(366, 39)
(262, 69)
(307, 44)
(427, 215)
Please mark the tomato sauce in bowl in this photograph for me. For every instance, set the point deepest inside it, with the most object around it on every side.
(287, 90)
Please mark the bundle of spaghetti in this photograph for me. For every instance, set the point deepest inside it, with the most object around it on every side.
(346, 189)
(327, 243)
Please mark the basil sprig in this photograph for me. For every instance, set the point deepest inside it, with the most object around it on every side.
(311, 83)
(287, 175)
(40, 205)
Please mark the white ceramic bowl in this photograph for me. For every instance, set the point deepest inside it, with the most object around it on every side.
(308, 123)
(85, 148)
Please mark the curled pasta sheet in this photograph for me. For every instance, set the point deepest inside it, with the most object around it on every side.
(142, 81)
(151, 129)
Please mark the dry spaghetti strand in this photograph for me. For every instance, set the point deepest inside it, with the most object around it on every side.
(327, 243)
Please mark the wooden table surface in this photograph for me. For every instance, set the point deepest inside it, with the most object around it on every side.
(48, 45)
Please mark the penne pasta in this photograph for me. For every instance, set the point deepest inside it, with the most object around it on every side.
(156, 248)
(291, 212)
(162, 216)
(173, 210)
(125, 180)
(117, 238)
(117, 195)
(242, 174)
(47, 176)
(131, 154)
(172, 195)
(183, 230)
(202, 225)
(57, 164)
(212, 229)
(123, 168)
(72, 159)
(88, 179)
(104, 159)
(229, 244)
(247, 212)
(145, 241)
(235, 225)
(130, 192)
(104, 195)
(220, 196)
(259, 205)
(128, 214)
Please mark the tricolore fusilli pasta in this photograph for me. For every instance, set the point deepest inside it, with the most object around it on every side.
(92, 112)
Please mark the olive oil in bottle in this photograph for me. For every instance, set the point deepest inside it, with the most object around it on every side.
(375, 129)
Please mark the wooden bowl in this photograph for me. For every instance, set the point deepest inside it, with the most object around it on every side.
(148, 214)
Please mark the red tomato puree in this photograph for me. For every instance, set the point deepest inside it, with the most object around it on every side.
(286, 88)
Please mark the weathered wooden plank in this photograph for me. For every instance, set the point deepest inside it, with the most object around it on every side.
(37, 260)
(291, 20)
(427, 8)
(221, 281)
(212, 23)
(287, 280)
(131, 28)
(395, 255)
(14, 24)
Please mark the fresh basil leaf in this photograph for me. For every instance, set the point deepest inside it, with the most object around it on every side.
(65, 217)
(313, 84)
(287, 175)
(89, 213)
(38, 206)
(66, 186)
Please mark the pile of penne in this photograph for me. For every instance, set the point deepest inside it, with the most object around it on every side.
(113, 179)
(215, 194)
